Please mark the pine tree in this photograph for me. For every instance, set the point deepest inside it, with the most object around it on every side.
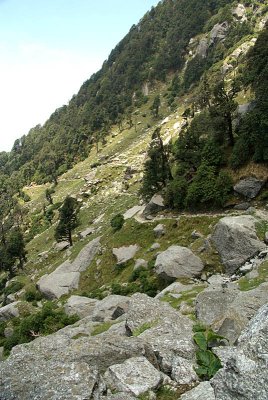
(68, 220)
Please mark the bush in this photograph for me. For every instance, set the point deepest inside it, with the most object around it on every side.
(117, 222)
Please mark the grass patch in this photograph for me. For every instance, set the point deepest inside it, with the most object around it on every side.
(261, 229)
(187, 297)
(147, 325)
(102, 327)
(246, 284)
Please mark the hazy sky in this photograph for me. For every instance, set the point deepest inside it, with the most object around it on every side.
(48, 48)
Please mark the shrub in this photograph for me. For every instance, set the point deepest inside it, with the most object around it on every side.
(117, 222)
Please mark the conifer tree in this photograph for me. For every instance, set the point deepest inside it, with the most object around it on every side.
(68, 220)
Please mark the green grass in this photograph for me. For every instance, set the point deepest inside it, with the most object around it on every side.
(147, 325)
(102, 327)
(187, 297)
(246, 284)
(261, 229)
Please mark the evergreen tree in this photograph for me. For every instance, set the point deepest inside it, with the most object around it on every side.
(68, 219)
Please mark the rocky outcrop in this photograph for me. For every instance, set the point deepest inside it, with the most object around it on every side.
(236, 241)
(249, 187)
(244, 372)
(66, 277)
(178, 262)
(203, 391)
(125, 253)
(218, 32)
(110, 308)
(136, 375)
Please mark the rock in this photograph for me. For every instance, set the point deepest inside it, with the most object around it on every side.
(203, 391)
(8, 332)
(243, 109)
(165, 329)
(178, 262)
(110, 308)
(135, 375)
(86, 233)
(155, 205)
(125, 253)
(246, 268)
(218, 32)
(10, 298)
(119, 396)
(58, 283)
(242, 206)
(196, 235)
(228, 311)
(155, 246)
(159, 230)
(175, 288)
(49, 380)
(1, 353)
(140, 263)
(266, 238)
(82, 306)
(86, 255)
(202, 48)
(61, 246)
(236, 241)
(244, 372)
(240, 12)
(249, 187)
(132, 211)
(43, 255)
(9, 311)
(183, 372)
(66, 277)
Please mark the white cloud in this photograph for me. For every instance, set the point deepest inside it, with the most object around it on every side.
(34, 81)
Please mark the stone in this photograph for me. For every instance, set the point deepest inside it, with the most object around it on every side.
(178, 262)
(155, 246)
(196, 235)
(249, 187)
(110, 308)
(202, 48)
(132, 212)
(82, 306)
(242, 206)
(136, 375)
(10, 298)
(266, 237)
(229, 310)
(2, 354)
(61, 246)
(244, 373)
(125, 253)
(49, 380)
(183, 371)
(66, 276)
(236, 241)
(174, 288)
(240, 12)
(246, 268)
(119, 396)
(203, 391)
(159, 230)
(218, 32)
(9, 311)
(86, 233)
(167, 331)
(140, 263)
(155, 205)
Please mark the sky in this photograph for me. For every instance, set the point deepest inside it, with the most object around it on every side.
(48, 48)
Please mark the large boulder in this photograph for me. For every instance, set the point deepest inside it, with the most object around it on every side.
(236, 241)
(82, 306)
(218, 32)
(178, 262)
(125, 253)
(249, 187)
(228, 310)
(110, 308)
(155, 205)
(244, 373)
(66, 277)
(136, 375)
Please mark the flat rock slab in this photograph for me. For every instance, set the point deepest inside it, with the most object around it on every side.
(249, 187)
(132, 211)
(61, 246)
(236, 241)
(110, 308)
(86, 232)
(136, 375)
(125, 253)
(66, 276)
(178, 262)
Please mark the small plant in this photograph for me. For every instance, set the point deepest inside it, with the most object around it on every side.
(208, 362)
(117, 222)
